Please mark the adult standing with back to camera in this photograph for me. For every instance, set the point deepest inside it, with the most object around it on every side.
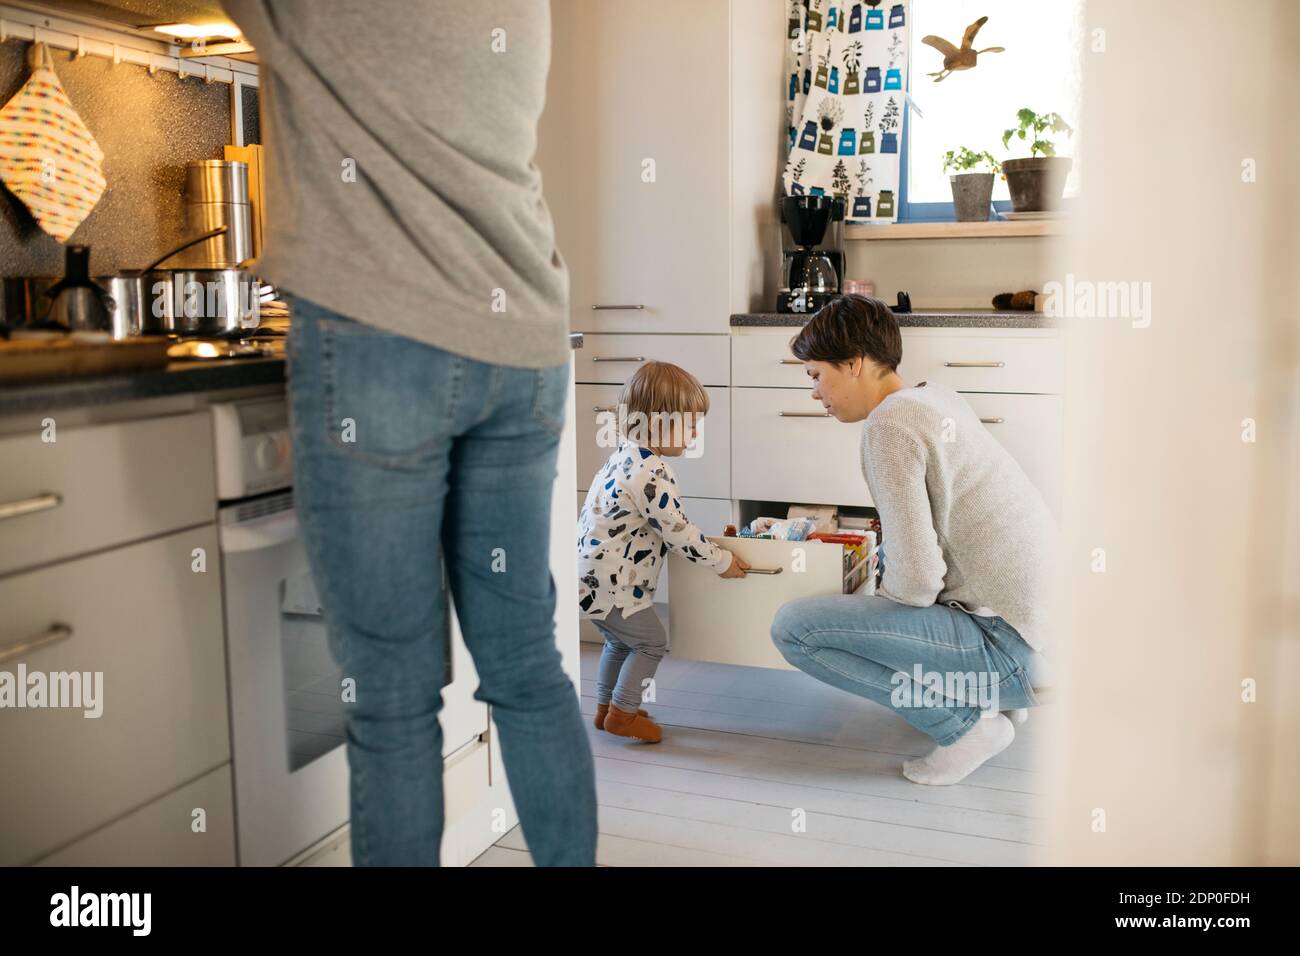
(428, 371)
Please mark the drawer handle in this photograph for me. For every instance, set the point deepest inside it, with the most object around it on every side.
(790, 361)
(974, 364)
(615, 308)
(805, 414)
(54, 633)
(763, 570)
(993, 421)
(27, 506)
(626, 358)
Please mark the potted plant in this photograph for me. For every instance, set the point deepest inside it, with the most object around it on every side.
(1036, 183)
(972, 182)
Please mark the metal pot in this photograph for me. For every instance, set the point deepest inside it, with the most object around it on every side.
(126, 303)
(203, 302)
(130, 309)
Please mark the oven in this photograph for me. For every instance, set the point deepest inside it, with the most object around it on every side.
(286, 703)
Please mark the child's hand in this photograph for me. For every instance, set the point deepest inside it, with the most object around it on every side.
(736, 569)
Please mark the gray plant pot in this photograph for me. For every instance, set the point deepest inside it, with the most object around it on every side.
(971, 195)
(1036, 184)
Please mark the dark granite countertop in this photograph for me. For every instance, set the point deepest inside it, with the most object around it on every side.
(176, 378)
(921, 318)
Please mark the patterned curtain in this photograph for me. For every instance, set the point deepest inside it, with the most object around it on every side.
(846, 75)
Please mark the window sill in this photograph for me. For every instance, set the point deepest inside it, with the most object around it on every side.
(958, 230)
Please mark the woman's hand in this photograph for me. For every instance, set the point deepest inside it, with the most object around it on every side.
(736, 569)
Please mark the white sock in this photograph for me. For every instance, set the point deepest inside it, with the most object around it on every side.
(1017, 716)
(950, 764)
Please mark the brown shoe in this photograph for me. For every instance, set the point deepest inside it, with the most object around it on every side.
(602, 710)
(638, 726)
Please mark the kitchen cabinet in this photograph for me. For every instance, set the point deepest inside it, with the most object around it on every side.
(634, 148)
(1028, 361)
(151, 626)
(787, 447)
(70, 491)
(163, 833)
(1031, 428)
(730, 620)
(611, 359)
(707, 475)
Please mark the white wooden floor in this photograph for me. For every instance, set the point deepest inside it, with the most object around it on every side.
(744, 748)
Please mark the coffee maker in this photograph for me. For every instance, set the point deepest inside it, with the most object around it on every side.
(812, 252)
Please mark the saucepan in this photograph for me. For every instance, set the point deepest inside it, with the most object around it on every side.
(131, 311)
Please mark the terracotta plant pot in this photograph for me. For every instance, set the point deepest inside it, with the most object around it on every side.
(1036, 184)
(971, 195)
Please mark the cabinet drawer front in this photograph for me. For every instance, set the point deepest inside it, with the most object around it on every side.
(160, 834)
(763, 360)
(730, 621)
(153, 627)
(983, 360)
(612, 359)
(1031, 428)
(104, 485)
(710, 515)
(706, 476)
(788, 457)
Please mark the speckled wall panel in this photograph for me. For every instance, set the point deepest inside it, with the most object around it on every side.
(252, 115)
(148, 127)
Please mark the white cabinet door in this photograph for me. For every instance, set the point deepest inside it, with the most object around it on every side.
(1031, 428)
(142, 619)
(710, 515)
(634, 149)
(730, 620)
(162, 832)
(706, 475)
(784, 448)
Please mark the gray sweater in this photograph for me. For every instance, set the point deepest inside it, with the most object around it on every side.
(960, 522)
(401, 189)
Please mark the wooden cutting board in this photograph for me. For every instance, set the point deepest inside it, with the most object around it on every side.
(29, 361)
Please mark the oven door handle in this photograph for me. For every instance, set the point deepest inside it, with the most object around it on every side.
(260, 533)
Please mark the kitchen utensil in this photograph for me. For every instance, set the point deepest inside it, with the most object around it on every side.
(216, 181)
(77, 304)
(129, 311)
(216, 194)
(235, 244)
(205, 302)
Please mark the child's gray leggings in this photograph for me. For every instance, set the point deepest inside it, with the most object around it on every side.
(634, 646)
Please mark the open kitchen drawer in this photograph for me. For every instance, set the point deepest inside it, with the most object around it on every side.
(729, 621)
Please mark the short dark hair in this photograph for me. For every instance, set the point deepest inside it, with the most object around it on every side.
(849, 327)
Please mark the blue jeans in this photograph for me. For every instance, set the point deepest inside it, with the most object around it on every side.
(872, 646)
(411, 463)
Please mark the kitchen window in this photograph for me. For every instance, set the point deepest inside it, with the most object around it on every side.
(1039, 69)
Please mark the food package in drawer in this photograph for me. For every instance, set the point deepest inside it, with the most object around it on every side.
(859, 560)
